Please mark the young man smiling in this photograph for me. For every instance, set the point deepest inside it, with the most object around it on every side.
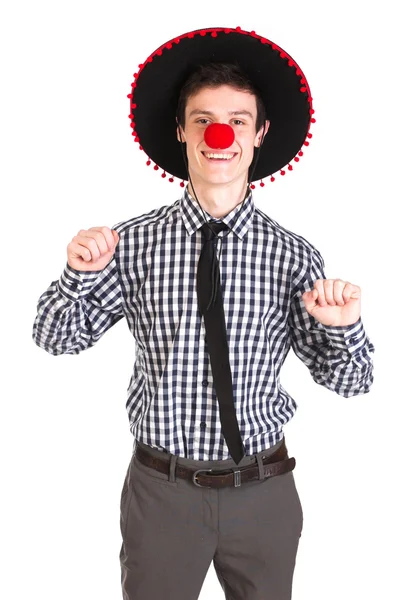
(220, 177)
(210, 478)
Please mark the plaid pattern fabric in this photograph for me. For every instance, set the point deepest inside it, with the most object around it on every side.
(151, 281)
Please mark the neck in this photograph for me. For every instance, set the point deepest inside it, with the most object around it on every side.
(218, 200)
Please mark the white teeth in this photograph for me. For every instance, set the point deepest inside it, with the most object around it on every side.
(212, 155)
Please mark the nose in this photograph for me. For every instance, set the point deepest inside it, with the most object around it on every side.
(219, 135)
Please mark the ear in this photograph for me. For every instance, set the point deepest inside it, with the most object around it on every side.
(261, 135)
(179, 130)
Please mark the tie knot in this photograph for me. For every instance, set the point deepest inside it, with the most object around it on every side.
(216, 228)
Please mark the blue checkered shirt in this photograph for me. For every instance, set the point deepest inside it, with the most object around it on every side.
(151, 281)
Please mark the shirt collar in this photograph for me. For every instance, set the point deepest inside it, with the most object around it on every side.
(193, 218)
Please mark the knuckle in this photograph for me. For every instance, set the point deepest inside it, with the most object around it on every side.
(92, 243)
(99, 236)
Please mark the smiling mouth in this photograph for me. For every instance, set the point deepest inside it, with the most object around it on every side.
(219, 156)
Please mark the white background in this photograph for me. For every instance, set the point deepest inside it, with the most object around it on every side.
(69, 162)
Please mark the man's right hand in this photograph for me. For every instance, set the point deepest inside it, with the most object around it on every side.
(92, 249)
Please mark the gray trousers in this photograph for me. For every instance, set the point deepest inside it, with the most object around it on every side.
(172, 530)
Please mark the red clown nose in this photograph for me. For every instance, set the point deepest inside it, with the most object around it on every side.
(219, 135)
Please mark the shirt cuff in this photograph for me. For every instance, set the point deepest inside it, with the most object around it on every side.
(73, 283)
(346, 337)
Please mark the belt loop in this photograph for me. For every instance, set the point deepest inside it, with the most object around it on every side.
(261, 473)
(172, 465)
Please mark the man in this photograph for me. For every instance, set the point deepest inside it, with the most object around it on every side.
(213, 319)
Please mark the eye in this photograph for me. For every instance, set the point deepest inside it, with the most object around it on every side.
(202, 121)
(238, 122)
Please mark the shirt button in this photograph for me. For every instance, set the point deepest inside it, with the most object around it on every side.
(204, 382)
(203, 425)
(353, 339)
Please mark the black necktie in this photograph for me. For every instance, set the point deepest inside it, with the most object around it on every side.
(209, 295)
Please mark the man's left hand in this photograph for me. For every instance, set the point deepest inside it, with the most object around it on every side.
(334, 302)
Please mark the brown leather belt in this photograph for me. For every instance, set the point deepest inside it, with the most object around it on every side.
(276, 463)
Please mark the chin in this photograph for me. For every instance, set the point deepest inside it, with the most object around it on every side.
(222, 179)
(217, 176)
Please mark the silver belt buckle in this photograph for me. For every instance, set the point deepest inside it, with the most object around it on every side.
(194, 477)
(237, 477)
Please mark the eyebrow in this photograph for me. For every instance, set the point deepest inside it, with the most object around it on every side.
(198, 111)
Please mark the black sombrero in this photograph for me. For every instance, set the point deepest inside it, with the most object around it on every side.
(281, 82)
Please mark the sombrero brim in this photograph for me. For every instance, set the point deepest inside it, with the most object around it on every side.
(280, 81)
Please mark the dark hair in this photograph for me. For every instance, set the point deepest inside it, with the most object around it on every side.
(215, 75)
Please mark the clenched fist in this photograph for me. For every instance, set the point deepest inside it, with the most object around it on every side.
(92, 249)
